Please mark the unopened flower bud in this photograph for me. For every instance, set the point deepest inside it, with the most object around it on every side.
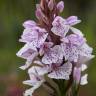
(39, 14)
(77, 75)
(51, 5)
(60, 6)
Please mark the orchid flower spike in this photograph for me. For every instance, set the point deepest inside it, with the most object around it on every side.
(55, 49)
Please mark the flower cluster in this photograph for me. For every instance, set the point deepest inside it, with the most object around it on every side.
(54, 47)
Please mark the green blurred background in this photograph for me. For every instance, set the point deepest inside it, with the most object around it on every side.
(12, 14)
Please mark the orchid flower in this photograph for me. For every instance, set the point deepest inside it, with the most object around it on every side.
(61, 26)
(54, 49)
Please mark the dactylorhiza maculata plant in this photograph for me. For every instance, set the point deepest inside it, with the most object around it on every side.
(54, 49)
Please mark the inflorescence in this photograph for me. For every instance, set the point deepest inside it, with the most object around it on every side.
(53, 47)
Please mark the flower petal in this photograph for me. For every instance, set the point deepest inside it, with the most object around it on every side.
(83, 67)
(76, 39)
(76, 31)
(85, 50)
(29, 82)
(84, 79)
(59, 27)
(45, 47)
(70, 52)
(29, 24)
(38, 70)
(53, 55)
(62, 72)
(26, 51)
(30, 91)
(73, 20)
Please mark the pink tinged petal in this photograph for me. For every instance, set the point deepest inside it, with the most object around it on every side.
(42, 39)
(51, 5)
(35, 36)
(39, 29)
(86, 51)
(26, 51)
(83, 67)
(47, 58)
(48, 44)
(29, 61)
(30, 91)
(77, 75)
(41, 36)
(63, 72)
(29, 82)
(29, 24)
(53, 55)
(73, 55)
(59, 26)
(83, 59)
(57, 20)
(34, 77)
(64, 40)
(29, 35)
(57, 51)
(73, 20)
(70, 52)
(27, 64)
(60, 6)
(35, 81)
(76, 31)
(45, 47)
(38, 70)
(76, 39)
(84, 79)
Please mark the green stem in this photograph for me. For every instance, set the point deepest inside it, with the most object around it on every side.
(55, 91)
(62, 86)
(75, 89)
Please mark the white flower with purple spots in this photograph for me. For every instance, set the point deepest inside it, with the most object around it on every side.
(53, 55)
(45, 47)
(29, 24)
(29, 53)
(74, 48)
(61, 26)
(35, 81)
(35, 35)
(54, 50)
(60, 71)
(56, 70)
